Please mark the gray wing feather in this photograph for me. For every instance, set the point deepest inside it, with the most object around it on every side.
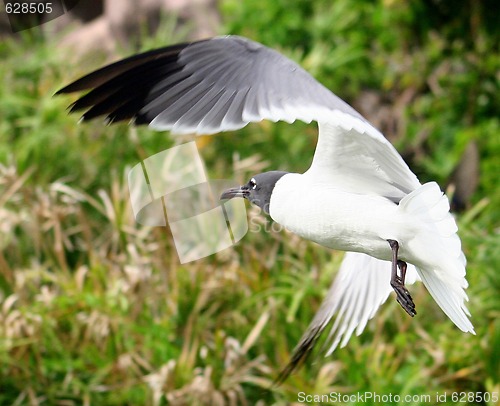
(249, 82)
(223, 84)
(360, 288)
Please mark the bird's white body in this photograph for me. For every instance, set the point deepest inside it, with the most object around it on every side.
(337, 219)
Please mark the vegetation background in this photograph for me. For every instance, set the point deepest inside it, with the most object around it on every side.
(96, 309)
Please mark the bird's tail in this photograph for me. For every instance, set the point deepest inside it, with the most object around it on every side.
(443, 268)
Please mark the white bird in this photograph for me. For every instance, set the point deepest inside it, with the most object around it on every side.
(358, 195)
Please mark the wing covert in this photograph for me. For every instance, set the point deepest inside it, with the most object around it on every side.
(354, 156)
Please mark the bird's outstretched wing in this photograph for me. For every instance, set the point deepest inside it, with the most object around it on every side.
(205, 87)
(224, 83)
(361, 286)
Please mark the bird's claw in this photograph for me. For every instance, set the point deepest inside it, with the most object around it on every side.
(398, 282)
(403, 297)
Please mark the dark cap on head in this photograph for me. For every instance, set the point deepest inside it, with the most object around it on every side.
(258, 190)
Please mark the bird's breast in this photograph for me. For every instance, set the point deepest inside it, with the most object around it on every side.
(335, 218)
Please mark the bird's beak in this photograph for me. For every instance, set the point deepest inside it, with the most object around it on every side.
(240, 191)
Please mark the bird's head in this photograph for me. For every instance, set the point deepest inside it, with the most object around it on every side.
(258, 190)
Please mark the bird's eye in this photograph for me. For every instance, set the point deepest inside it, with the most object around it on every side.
(253, 183)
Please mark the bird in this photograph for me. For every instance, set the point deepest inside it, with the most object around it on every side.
(358, 195)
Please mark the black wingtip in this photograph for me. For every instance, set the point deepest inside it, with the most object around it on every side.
(63, 90)
(300, 354)
(76, 86)
(108, 72)
(119, 90)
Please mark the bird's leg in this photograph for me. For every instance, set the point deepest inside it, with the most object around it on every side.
(402, 269)
(398, 282)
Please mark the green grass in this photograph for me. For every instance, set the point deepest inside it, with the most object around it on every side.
(96, 309)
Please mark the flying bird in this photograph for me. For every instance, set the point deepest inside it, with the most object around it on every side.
(358, 195)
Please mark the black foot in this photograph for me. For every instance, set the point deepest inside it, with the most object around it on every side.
(398, 282)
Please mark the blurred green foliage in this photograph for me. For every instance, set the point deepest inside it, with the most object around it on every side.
(96, 309)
